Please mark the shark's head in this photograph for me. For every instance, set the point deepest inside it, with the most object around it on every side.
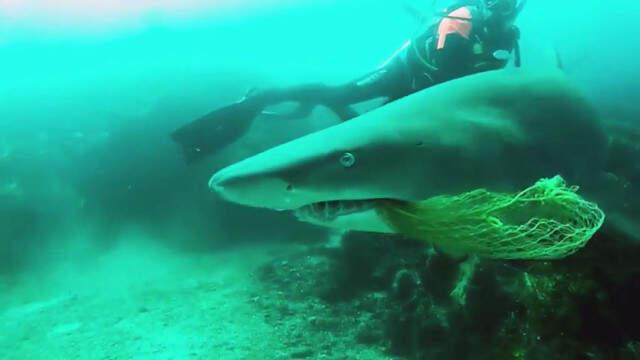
(327, 175)
(451, 138)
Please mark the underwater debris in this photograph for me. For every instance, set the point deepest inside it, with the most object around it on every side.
(548, 220)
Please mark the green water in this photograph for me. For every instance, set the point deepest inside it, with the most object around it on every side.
(112, 248)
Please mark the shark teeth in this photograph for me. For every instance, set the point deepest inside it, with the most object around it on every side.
(328, 211)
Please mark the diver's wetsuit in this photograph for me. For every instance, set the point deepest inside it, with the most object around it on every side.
(461, 43)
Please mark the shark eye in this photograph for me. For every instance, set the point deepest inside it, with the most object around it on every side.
(347, 159)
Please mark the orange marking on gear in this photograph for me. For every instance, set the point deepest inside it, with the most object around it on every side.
(454, 26)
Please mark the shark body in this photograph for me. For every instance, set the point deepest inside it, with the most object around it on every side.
(500, 130)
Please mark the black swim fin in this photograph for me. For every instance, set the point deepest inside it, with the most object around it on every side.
(215, 130)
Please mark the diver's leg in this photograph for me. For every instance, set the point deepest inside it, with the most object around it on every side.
(224, 125)
(308, 96)
(307, 93)
(390, 82)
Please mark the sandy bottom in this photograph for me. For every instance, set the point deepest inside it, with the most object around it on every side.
(144, 302)
(141, 301)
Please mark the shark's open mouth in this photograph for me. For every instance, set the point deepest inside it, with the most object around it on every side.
(327, 211)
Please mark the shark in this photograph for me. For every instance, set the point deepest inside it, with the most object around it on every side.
(499, 130)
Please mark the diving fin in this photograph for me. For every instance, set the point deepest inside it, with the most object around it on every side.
(217, 129)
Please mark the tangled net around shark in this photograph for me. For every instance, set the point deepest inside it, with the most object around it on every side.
(548, 220)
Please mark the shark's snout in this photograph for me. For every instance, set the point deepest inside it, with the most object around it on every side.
(233, 186)
(216, 183)
(228, 184)
(244, 186)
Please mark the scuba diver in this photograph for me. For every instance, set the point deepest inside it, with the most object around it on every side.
(467, 38)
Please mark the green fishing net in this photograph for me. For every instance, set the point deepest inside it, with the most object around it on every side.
(548, 220)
